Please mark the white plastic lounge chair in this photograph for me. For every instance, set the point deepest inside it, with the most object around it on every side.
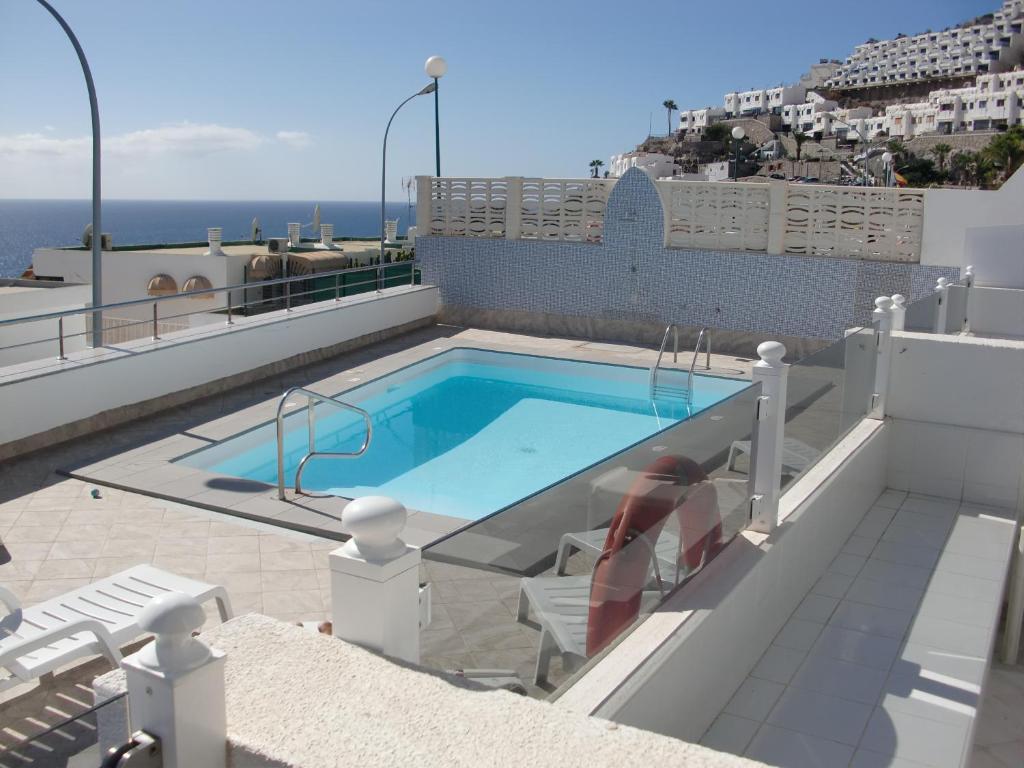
(95, 619)
(796, 455)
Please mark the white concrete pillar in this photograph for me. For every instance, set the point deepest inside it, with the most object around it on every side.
(294, 234)
(513, 207)
(375, 580)
(766, 449)
(942, 289)
(423, 192)
(883, 346)
(778, 192)
(176, 685)
(899, 311)
(969, 284)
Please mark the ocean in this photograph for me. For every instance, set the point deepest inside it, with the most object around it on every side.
(29, 224)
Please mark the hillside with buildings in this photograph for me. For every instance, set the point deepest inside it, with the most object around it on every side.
(958, 88)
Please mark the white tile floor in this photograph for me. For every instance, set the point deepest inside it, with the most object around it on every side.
(882, 662)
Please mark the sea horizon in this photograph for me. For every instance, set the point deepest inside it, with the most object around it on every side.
(30, 223)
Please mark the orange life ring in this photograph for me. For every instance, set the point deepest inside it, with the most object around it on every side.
(672, 483)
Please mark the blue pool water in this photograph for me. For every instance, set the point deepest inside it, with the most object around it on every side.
(467, 432)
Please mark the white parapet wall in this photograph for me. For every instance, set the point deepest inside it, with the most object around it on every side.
(675, 672)
(998, 311)
(957, 405)
(951, 214)
(297, 698)
(41, 396)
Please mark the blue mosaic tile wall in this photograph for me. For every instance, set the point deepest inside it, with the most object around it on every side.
(632, 276)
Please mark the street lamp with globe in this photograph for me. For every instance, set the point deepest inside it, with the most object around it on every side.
(436, 67)
(887, 158)
(737, 134)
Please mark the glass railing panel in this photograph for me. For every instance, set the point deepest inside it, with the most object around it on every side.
(956, 309)
(920, 316)
(577, 565)
(828, 393)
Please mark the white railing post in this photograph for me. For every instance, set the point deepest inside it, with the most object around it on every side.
(883, 344)
(424, 189)
(767, 443)
(942, 289)
(899, 312)
(176, 685)
(513, 207)
(968, 285)
(375, 593)
(777, 194)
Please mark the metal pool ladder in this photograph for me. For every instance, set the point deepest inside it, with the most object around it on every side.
(311, 398)
(687, 394)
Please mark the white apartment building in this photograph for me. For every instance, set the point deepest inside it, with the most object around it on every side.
(655, 164)
(995, 101)
(967, 50)
(695, 121)
(760, 100)
(803, 117)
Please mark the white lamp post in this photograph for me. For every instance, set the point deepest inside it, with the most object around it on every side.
(887, 159)
(435, 68)
(737, 134)
(97, 236)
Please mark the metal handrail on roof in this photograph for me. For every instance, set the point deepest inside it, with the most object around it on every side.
(185, 294)
(311, 398)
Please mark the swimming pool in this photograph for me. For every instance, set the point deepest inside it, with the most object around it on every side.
(467, 432)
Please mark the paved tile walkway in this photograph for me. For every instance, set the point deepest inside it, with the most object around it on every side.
(883, 661)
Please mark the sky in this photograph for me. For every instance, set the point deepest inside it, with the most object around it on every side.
(270, 100)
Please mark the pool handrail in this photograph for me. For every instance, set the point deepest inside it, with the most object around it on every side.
(312, 397)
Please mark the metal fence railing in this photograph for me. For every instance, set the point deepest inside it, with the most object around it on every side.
(55, 334)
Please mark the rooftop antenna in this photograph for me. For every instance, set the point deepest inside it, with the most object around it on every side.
(409, 185)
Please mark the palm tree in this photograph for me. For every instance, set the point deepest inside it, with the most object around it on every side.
(595, 166)
(799, 138)
(671, 107)
(1006, 151)
(896, 147)
(940, 152)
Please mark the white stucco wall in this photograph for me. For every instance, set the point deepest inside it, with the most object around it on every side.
(997, 254)
(957, 405)
(297, 698)
(34, 400)
(997, 311)
(31, 341)
(675, 672)
(126, 274)
(957, 380)
(950, 213)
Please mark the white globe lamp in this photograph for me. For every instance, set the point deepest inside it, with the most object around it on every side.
(738, 133)
(435, 67)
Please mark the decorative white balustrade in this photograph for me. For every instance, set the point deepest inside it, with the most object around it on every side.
(715, 215)
(880, 224)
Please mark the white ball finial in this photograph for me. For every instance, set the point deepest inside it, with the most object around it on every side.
(883, 303)
(969, 269)
(898, 300)
(173, 617)
(771, 352)
(941, 282)
(435, 67)
(375, 523)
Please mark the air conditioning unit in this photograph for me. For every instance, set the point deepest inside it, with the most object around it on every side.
(277, 245)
